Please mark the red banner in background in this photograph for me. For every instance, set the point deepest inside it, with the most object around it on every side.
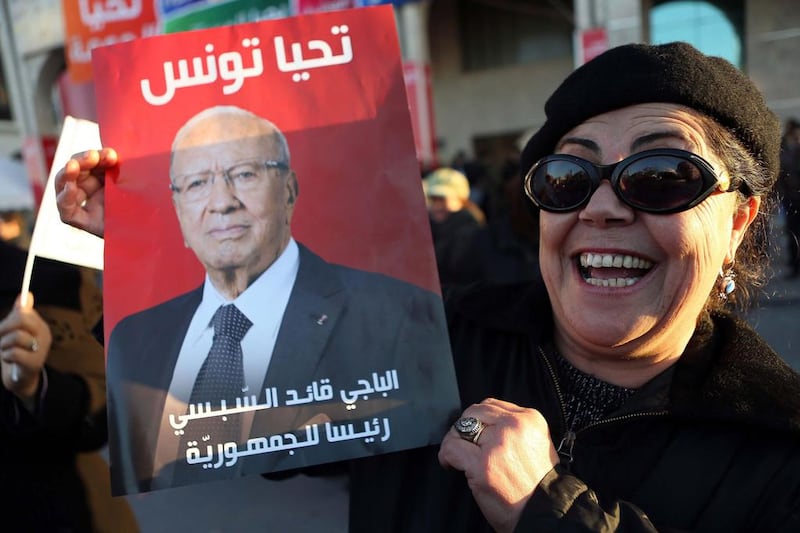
(92, 23)
(77, 99)
(38, 154)
(593, 42)
(420, 104)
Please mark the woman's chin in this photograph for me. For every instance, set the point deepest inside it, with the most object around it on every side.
(608, 330)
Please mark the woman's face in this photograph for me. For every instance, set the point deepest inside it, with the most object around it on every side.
(650, 310)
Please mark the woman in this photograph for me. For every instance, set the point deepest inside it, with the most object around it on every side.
(618, 393)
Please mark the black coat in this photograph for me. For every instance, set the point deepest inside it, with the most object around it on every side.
(41, 489)
(712, 444)
(453, 244)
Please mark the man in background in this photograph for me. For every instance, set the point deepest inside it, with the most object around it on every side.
(455, 221)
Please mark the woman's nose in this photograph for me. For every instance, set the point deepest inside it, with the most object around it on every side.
(605, 208)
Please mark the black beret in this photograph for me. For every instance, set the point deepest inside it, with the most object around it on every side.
(669, 73)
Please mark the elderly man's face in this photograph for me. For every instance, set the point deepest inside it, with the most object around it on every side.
(241, 223)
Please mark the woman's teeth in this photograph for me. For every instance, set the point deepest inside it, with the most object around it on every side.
(589, 262)
(615, 261)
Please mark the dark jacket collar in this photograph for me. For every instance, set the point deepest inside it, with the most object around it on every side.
(727, 373)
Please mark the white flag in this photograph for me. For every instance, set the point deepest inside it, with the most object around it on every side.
(51, 237)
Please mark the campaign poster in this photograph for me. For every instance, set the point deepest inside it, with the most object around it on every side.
(270, 290)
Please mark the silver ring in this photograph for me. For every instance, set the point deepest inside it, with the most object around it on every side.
(34, 345)
(469, 428)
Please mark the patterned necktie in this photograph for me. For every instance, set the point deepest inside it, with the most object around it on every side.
(220, 378)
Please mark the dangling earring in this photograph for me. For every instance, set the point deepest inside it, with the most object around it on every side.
(726, 284)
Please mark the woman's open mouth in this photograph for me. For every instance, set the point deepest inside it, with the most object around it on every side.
(612, 270)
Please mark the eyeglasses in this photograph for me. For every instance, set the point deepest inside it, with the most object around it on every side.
(244, 176)
(654, 181)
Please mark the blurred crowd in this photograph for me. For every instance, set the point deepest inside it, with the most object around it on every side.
(481, 229)
(789, 193)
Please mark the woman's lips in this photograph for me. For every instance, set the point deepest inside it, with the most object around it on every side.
(612, 270)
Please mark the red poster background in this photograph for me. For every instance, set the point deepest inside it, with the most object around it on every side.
(349, 133)
(38, 153)
(420, 104)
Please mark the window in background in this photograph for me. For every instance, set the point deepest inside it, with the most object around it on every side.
(714, 27)
(513, 32)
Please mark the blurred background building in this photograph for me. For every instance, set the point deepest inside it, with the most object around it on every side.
(477, 71)
(477, 75)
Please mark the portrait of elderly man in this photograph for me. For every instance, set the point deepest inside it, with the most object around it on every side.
(271, 326)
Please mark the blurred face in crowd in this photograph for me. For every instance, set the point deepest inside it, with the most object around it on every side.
(233, 193)
(440, 207)
(641, 299)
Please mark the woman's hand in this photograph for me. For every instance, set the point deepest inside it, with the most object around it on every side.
(25, 341)
(510, 458)
(80, 189)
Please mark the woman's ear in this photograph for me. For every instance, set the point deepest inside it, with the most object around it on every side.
(743, 216)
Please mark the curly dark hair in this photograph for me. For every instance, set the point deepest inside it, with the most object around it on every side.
(751, 266)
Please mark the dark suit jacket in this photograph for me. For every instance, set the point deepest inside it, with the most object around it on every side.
(374, 323)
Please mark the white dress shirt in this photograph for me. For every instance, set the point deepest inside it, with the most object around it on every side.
(263, 303)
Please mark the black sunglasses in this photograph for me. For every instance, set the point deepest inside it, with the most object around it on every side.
(661, 181)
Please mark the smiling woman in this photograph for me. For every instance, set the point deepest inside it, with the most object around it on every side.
(619, 380)
(653, 317)
(589, 403)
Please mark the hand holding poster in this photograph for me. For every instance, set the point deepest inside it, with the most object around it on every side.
(271, 298)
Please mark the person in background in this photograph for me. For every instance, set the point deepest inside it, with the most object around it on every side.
(12, 224)
(455, 221)
(52, 416)
(789, 190)
(506, 249)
